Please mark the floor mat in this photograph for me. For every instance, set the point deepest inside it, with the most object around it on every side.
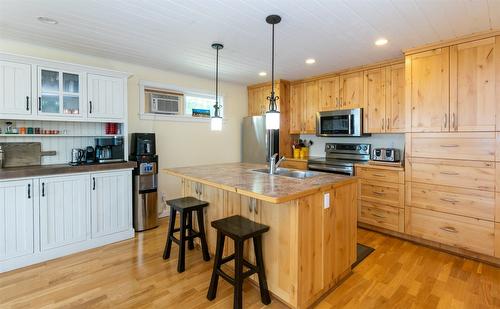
(362, 252)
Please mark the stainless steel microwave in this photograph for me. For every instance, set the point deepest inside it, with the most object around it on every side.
(347, 122)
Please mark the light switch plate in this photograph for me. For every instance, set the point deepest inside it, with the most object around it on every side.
(326, 200)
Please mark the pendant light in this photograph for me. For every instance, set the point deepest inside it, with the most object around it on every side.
(216, 120)
(273, 115)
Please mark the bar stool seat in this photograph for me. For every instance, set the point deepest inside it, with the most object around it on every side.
(239, 229)
(186, 206)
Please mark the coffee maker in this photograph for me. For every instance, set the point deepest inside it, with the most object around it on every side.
(109, 149)
(145, 182)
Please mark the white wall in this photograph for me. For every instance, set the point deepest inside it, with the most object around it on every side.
(178, 143)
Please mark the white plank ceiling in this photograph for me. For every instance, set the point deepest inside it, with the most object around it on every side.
(176, 35)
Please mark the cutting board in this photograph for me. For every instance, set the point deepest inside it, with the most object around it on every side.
(23, 154)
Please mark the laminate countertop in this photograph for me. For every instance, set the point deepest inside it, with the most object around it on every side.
(241, 178)
(55, 169)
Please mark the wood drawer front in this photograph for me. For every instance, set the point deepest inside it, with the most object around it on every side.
(300, 165)
(465, 202)
(382, 192)
(379, 174)
(384, 216)
(460, 146)
(461, 232)
(464, 174)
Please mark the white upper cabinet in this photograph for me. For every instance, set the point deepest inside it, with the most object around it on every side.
(60, 92)
(15, 88)
(105, 97)
(16, 219)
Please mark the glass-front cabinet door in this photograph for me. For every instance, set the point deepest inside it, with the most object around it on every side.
(59, 92)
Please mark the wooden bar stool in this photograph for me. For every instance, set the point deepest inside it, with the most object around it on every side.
(239, 229)
(186, 206)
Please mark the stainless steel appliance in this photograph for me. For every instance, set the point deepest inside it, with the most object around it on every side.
(256, 140)
(109, 149)
(386, 154)
(340, 158)
(77, 156)
(145, 183)
(348, 122)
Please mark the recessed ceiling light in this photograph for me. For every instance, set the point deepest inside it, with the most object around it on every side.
(310, 61)
(47, 20)
(381, 42)
(262, 73)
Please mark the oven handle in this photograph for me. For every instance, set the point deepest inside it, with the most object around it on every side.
(329, 169)
(351, 116)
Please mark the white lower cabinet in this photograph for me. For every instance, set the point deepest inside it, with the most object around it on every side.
(111, 197)
(64, 207)
(16, 219)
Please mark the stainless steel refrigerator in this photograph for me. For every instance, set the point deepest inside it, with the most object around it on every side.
(255, 140)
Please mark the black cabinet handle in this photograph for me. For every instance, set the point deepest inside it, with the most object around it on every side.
(29, 191)
(43, 189)
(90, 103)
(27, 103)
(39, 103)
(93, 183)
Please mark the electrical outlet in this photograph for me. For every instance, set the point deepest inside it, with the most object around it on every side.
(326, 200)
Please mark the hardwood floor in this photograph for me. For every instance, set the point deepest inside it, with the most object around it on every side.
(132, 274)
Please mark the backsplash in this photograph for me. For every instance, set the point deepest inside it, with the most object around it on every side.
(376, 140)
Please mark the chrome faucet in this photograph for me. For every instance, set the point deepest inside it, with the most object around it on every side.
(273, 165)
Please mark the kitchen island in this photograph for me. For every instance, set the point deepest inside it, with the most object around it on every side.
(311, 243)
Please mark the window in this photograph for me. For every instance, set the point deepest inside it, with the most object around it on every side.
(200, 102)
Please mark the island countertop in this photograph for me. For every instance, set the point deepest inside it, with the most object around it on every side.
(240, 178)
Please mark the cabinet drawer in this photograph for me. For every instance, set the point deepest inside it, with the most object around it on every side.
(465, 202)
(384, 216)
(300, 165)
(464, 174)
(380, 174)
(460, 146)
(382, 192)
(461, 232)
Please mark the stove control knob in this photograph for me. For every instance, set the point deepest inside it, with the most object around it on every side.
(328, 146)
(365, 148)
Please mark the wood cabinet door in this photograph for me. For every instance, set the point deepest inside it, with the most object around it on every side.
(351, 90)
(16, 218)
(329, 94)
(15, 87)
(252, 102)
(111, 200)
(106, 97)
(472, 85)
(64, 211)
(296, 103)
(375, 100)
(395, 106)
(311, 106)
(429, 93)
(263, 103)
(215, 211)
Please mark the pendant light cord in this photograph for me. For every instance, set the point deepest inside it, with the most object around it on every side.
(272, 66)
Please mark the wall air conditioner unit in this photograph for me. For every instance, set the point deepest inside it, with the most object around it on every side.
(166, 103)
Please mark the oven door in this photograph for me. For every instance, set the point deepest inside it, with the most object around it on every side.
(339, 123)
(327, 168)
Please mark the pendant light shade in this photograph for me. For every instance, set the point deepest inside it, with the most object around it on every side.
(216, 120)
(272, 115)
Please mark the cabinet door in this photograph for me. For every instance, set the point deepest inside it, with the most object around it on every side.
(429, 91)
(105, 97)
(311, 106)
(214, 211)
(16, 218)
(64, 212)
(15, 88)
(472, 85)
(296, 103)
(329, 94)
(59, 92)
(253, 108)
(351, 90)
(375, 100)
(395, 98)
(111, 200)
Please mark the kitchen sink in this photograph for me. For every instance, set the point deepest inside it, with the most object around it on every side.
(289, 173)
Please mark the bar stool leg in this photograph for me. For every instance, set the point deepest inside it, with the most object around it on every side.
(182, 244)
(203, 239)
(212, 290)
(264, 292)
(189, 228)
(170, 234)
(238, 274)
